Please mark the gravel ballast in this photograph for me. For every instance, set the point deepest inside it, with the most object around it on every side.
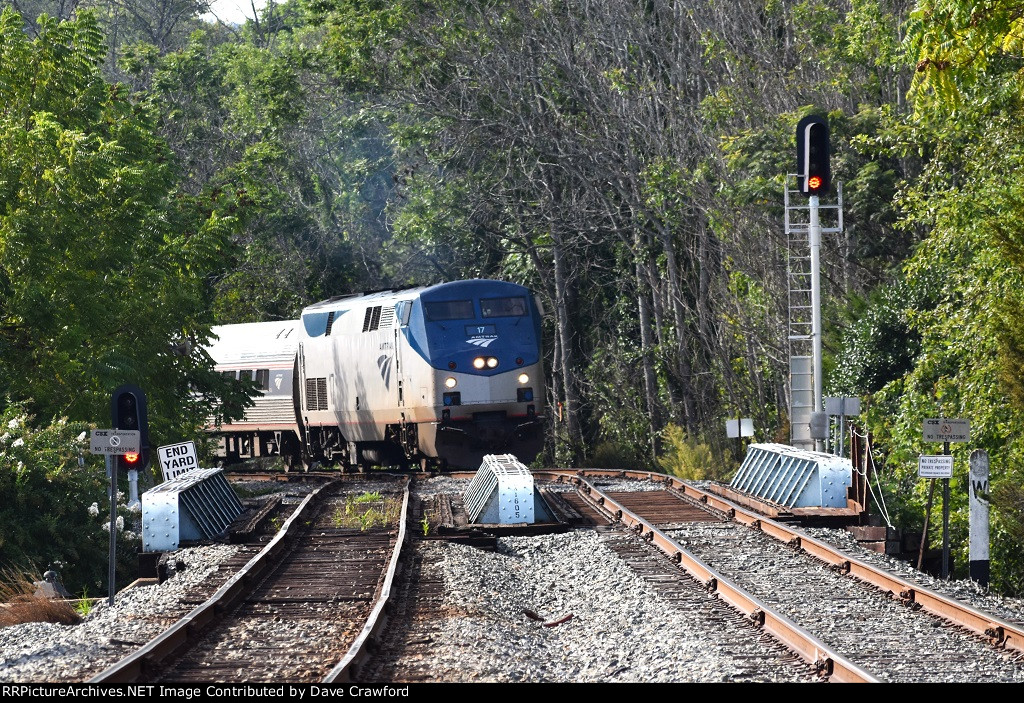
(963, 590)
(45, 652)
(620, 630)
(873, 630)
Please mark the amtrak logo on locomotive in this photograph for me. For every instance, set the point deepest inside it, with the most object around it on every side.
(384, 364)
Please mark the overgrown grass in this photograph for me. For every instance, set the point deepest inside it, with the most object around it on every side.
(21, 605)
(368, 510)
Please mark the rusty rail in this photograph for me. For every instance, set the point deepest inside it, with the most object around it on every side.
(998, 631)
(378, 619)
(134, 666)
(829, 663)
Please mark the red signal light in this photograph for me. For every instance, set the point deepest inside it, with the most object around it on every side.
(131, 458)
(814, 183)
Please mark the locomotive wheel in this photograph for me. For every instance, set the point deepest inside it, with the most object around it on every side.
(291, 452)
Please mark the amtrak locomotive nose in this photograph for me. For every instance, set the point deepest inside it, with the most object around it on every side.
(443, 374)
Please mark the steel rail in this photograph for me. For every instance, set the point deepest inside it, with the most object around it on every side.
(135, 665)
(828, 662)
(999, 632)
(345, 669)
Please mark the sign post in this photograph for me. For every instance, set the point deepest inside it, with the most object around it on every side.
(945, 430)
(113, 443)
(945, 519)
(979, 533)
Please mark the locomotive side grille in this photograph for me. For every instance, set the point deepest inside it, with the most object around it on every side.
(387, 318)
(371, 320)
(321, 392)
(316, 394)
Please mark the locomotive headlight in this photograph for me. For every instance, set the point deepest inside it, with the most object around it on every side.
(450, 382)
(492, 362)
(524, 378)
(479, 362)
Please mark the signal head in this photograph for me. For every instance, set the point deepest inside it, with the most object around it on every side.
(814, 168)
(128, 412)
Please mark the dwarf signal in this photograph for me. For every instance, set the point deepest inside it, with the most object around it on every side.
(128, 412)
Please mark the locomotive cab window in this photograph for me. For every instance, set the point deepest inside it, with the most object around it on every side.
(503, 307)
(403, 311)
(449, 310)
(263, 379)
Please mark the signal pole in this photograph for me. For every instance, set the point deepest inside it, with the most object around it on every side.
(814, 176)
(814, 237)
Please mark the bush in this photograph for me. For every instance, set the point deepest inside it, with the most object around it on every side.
(612, 455)
(687, 458)
(50, 514)
(20, 604)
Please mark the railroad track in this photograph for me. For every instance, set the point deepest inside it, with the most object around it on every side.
(301, 610)
(867, 624)
(426, 621)
(802, 604)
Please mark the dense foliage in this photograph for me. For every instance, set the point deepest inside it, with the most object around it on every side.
(104, 271)
(625, 160)
(55, 508)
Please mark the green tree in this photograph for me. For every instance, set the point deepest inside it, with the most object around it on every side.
(104, 271)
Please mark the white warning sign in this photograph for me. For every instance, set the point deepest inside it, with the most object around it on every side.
(940, 466)
(176, 459)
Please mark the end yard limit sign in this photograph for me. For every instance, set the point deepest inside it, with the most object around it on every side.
(176, 459)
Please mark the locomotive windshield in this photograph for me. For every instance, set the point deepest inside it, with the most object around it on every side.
(503, 307)
(449, 310)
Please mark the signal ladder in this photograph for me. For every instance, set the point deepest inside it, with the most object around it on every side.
(800, 309)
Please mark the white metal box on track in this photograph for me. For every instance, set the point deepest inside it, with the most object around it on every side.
(198, 505)
(795, 478)
(502, 493)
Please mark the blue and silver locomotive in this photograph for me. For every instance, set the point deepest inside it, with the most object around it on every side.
(442, 374)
